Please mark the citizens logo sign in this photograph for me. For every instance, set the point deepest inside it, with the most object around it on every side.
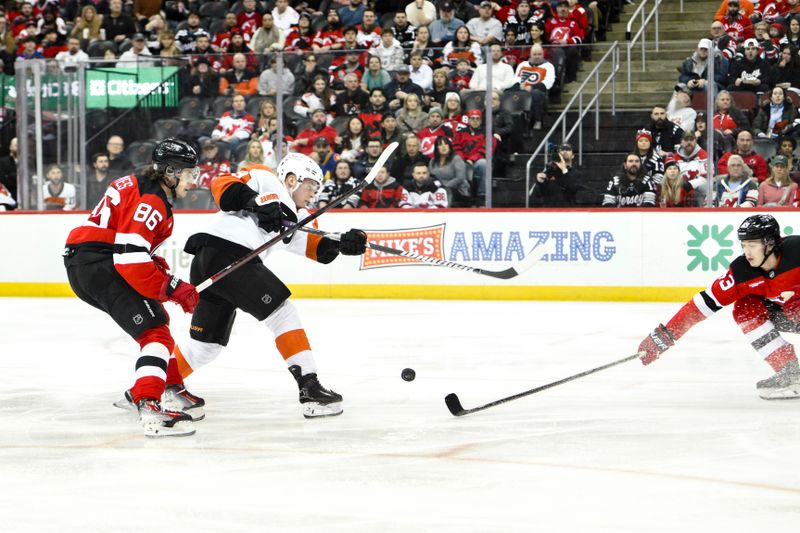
(423, 241)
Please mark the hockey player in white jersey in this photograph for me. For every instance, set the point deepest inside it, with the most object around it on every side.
(255, 203)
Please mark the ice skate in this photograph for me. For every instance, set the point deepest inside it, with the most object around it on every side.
(126, 402)
(177, 398)
(316, 400)
(783, 385)
(159, 422)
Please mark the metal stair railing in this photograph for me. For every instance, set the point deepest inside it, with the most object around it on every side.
(641, 33)
(612, 54)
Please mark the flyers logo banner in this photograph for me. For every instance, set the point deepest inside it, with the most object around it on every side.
(531, 75)
(427, 241)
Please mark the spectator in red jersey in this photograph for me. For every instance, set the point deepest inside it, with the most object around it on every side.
(329, 37)
(470, 144)
(767, 50)
(222, 39)
(234, 126)
(536, 76)
(514, 54)
(434, 129)
(737, 24)
(728, 117)
(564, 31)
(744, 149)
(211, 165)
(250, 16)
(385, 192)
(460, 77)
(304, 143)
(53, 43)
(350, 67)
(374, 111)
(450, 170)
(300, 36)
(692, 160)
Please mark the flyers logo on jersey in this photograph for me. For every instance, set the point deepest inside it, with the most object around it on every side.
(531, 75)
(424, 241)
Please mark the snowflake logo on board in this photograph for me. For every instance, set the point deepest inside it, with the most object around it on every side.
(710, 248)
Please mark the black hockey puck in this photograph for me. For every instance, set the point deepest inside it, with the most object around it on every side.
(408, 374)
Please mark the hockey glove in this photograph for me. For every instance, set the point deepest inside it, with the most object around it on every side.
(354, 242)
(659, 341)
(180, 292)
(267, 209)
(161, 263)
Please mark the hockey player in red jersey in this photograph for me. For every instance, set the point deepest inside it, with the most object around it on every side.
(255, 204)
(763, 285)
(111, 265)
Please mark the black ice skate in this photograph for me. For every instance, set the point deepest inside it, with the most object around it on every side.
(316, 400)
(177, 398)
(159, 422)
(783, 385)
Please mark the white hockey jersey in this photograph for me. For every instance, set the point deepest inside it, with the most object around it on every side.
(241, 227)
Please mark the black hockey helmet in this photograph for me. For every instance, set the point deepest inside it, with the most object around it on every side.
(760, 227)
(171, 155)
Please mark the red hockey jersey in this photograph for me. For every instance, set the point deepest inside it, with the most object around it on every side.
(563, 31)
(131, 221)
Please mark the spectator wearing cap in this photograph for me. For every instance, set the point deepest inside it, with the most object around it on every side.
(420, 13)
(404, 32)
(137, 55)
(324, 154)
(652, 163)
(211, 165)
(352, 13)
(444, 28)
(460, 77)
(751, 73)
(776, 115)
(404, 163)
(556, 186)
(470, 144)
(267, 38)
(389, 51)
(284, 16)
(186, 38)
(680, 112)
(117, 25)
(744, 149)
(778, 190)
(536, 76)
(304, 143)
(694, 70)
(485, 29)
(397, 90)
(736, 23)
(390, 132)
(692, 160)
(235, 125)
(502, 73)
(441, 86)
(679, 191)
(434, 129)
(564, 31)
(746, 6)
(270, 78)
(203, 81)
(241, 79)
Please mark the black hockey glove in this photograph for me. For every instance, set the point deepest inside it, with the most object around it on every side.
(270, 212)
(354, 242)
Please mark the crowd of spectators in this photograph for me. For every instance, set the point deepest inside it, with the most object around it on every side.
(755, 92)
(403, 69)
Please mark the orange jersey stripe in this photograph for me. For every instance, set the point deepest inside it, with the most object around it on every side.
(183, 366)
(312, 242)
(223, 181)
(292, 343)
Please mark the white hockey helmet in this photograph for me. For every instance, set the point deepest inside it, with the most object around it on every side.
(302, 166)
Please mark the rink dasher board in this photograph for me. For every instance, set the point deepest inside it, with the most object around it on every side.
(614, 255)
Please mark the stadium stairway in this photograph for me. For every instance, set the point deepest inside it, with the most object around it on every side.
(679, 33)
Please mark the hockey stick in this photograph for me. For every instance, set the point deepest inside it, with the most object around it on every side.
(532, 258)
(288, 232)
(454, 404)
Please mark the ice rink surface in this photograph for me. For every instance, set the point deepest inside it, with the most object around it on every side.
(683, 445)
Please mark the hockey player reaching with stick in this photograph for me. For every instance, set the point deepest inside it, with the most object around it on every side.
(255, 204)
(763, 284)
(111, 266)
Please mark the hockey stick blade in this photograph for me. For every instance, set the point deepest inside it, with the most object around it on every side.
(288, 232)
(456, 409)
(531, 259)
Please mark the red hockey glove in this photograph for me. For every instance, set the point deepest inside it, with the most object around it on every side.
(161, 263)
(354, 242)
(180, 292)
(658, 342)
